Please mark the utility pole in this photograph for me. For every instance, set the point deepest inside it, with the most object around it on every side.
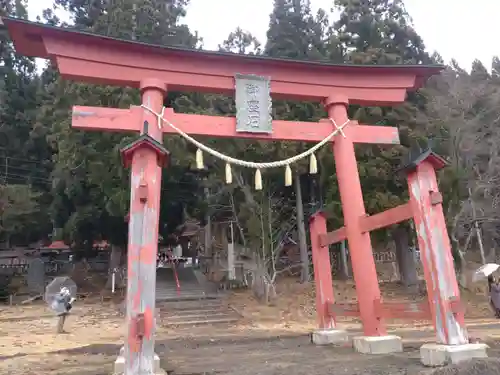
(476, 227)
(208, 225)
(344, 265)
(231, 270)
(301, 229)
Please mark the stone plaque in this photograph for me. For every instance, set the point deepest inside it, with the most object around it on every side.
(253, 104)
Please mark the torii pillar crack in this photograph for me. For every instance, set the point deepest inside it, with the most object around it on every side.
(146, 156)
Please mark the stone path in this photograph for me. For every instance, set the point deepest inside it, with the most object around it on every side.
(194, 303)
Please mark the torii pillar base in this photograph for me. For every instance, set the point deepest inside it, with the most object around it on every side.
(437, 355)
(386, 344)
(327, 332)
(119, 366)
(329, 337)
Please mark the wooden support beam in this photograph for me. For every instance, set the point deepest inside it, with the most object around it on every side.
(343, 309)
(384, 219)
(112, 119)
(403, 310)
(107, 119)
(372, 134)
(330, 238)
(369, 223)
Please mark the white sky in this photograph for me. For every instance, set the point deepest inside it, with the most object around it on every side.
(447, 26)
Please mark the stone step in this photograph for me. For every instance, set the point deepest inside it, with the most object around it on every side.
(180, 298)
(182, 292)
(191, 304)
(172, 291)
(174, 313)
(181, 306)
(201, 322)
(191, 310)
(199, 316)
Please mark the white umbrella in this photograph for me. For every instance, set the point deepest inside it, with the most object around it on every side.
(60, 285)
(484, 271)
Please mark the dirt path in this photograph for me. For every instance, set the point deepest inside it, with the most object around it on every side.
(268, 340)
(28, 345)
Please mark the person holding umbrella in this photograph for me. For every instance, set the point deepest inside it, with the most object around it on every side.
(62, 304)
(486, 271)
(494, 288)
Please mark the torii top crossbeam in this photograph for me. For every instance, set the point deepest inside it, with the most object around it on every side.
(105, 60)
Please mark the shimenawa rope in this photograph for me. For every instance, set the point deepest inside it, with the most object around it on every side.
(249, 164)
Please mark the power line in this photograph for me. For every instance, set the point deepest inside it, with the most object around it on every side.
(13, 176)
(9, 176)
(8, 168)
(37, 161)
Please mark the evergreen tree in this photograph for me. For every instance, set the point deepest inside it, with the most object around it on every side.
(378, 32)
(242, 42)
(24, 162)
(295, 33)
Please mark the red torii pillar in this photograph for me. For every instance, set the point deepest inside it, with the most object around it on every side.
(146, 156)
(452, 340)
(353, 207)
(327, 332)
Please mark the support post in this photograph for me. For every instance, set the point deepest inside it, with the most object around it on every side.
(139, 356)
(435, 252)
(231, 270)
(301, 231)
(375, 339)
(405, 258)
(208, 226)
(327, 333)
(344, 262)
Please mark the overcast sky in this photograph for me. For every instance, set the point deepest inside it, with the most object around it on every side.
(447, 26)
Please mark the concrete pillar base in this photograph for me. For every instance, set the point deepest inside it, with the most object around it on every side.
(435, 355)
(329, 337)
(119, 367)
(378, 344)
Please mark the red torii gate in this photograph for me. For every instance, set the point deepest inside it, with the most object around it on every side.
(154, 70)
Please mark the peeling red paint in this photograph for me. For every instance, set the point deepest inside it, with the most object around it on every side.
(149, 322)
(147, 256)
(322, 273)
(435, 252)
(142, 247)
